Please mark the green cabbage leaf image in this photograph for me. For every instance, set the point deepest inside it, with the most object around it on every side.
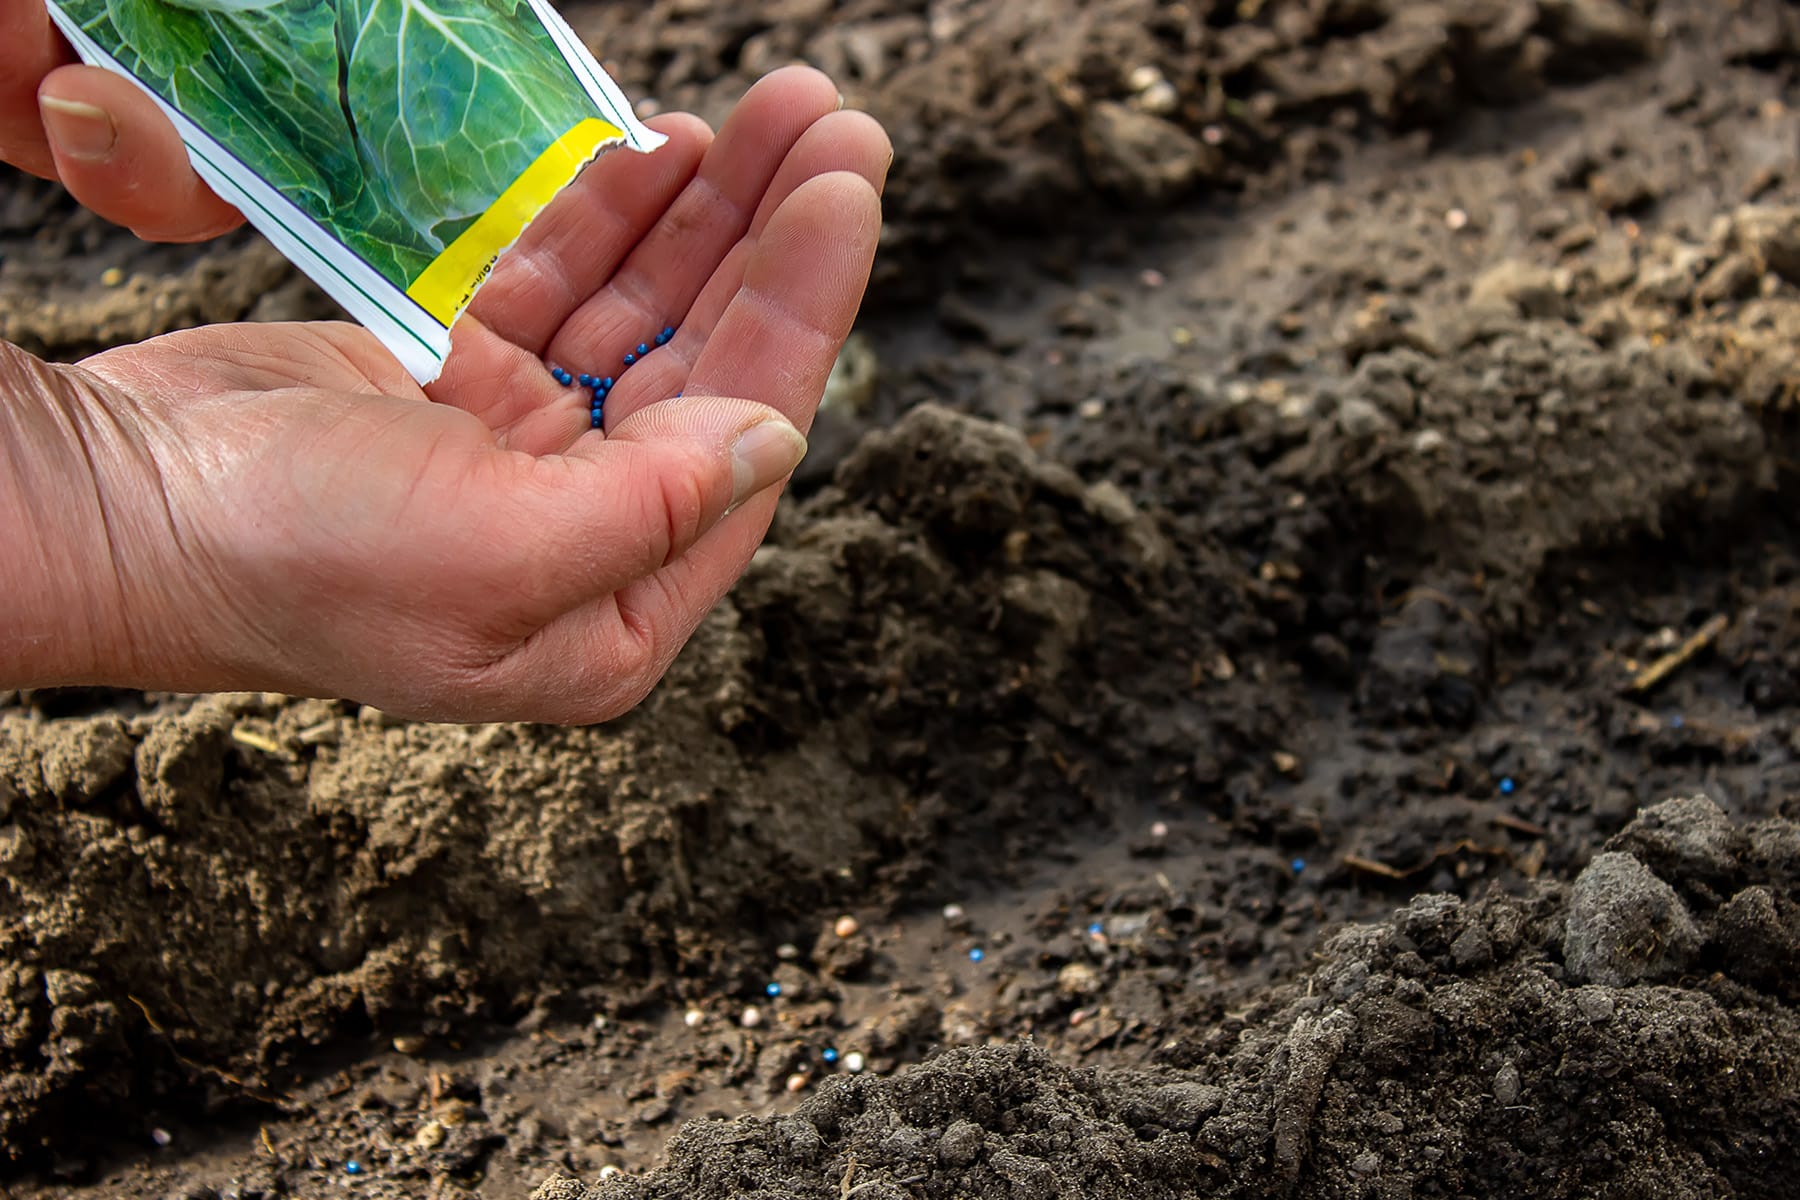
(451, 101)
(393, 123)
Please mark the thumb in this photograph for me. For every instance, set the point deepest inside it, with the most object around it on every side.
(120, 156)
(660, 480)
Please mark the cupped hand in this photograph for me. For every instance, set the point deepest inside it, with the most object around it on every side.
(99, 134)
(291, 512)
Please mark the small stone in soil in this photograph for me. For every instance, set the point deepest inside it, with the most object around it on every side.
(694, 1017)
(1077, 979)
(1507, 1085)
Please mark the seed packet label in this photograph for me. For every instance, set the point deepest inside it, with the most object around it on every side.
(392, 149)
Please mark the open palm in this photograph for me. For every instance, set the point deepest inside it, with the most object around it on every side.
(303, 516)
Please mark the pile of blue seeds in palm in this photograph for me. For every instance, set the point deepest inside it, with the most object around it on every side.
(601, 386)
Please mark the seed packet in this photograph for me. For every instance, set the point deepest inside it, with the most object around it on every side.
(392, 149)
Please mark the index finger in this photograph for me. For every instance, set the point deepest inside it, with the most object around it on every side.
(31, 50)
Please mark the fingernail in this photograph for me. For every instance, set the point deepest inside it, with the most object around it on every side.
(78, 130)
(763, 456)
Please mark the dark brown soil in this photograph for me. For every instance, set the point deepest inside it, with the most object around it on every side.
(1311, 474)
(1600, 1039)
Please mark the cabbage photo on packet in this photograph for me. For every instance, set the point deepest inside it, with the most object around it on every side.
(391, 148)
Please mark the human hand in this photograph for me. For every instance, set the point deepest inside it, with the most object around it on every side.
(280, 507)
(99, 134)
